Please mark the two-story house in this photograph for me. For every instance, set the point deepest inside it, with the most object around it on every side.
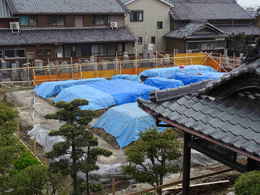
(62, 29)
(206, 25)
(149, 21)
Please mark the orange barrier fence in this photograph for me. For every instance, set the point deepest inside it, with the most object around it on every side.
(76, 71)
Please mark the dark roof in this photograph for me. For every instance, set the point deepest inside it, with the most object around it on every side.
(169, 2)
(64, 36)
(226, 110)
(188, 31)
(66, 6)
(4, 10)
(246, 29)
(208, 10)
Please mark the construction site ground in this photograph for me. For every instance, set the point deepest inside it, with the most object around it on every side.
(32, 110)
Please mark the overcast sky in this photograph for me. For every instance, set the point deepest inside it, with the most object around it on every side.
(249, 3)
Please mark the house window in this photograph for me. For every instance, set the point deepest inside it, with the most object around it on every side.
(44, 52)
(1, 53)
(96, 20)
(28, 20)
(137, 16)
(140, 40)
(14, 53)
(101, 20)
(105, 50)
(153, 40)
(159, 25)
(56, 20)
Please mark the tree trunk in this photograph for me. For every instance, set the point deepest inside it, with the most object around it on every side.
(87, 182)
(74, 172)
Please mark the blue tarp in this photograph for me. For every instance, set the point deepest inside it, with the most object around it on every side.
(169, 73)
(51, 89)
(163, 83)
(97, 99)
(123, 91)
(189, 78)
(125, 122)
(129, 77)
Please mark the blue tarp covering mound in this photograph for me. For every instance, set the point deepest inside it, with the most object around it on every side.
(123, 91)
(97, 99)
(169, 73)
(189, 78)
(163, 83)
(51, 89)
(126, 77)
(125, 122)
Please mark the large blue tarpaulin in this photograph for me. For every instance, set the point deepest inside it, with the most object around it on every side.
(169, 73)
(123, 91)
(125, 122)
(97, 99)
(163, 83)
(189, 78)
(51, 89)
(129, 77)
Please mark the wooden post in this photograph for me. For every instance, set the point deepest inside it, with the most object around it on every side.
(186, 164)
(113, 186)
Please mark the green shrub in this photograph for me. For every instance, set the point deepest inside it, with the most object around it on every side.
(25, 160)
(248, 184)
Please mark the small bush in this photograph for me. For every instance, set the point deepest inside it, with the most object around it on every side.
(248, 184)
(25, 161)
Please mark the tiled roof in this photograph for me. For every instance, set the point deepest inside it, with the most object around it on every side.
(169, 2)
(63, 36)
(208, 9)
(4, 10)
(232, 120)
(66, 6)
(189, 29)
(246, 29)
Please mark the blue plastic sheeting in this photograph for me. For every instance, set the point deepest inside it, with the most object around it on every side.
(125, 122)
(123, 91)
(163, 83)
(169, 73)
(189, 78)
(97, 99)
(127, 77)
(51, 89)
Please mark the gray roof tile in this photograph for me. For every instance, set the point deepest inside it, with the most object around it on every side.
(4, 9)
(208, 9)
(67, 6)
(65, 36)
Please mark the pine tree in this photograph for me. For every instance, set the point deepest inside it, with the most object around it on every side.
(68, 156)
(152, 157)
(89, 163)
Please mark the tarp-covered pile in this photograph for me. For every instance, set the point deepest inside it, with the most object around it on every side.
(163, 83)
(169, 73)
(189, 78)
(130, 77)
(125, 122)
(123, 91)
(51, 89)
(97, 100)
(106, 93)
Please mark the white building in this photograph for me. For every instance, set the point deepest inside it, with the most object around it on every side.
(149, 21)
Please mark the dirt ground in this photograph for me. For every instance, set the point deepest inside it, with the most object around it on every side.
(32, 110)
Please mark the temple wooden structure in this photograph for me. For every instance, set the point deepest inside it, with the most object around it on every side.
(218, 118)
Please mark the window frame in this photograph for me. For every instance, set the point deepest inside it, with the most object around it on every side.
(159, 25)
(135, 17)
(153, 40)
(56, 22)
(140, 41)
(15, 56)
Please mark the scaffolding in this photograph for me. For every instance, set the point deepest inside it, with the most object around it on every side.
(33, 75)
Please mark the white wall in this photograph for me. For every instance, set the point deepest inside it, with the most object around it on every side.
(154, 10)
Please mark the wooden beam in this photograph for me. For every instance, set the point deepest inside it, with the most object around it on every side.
(186, 164)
